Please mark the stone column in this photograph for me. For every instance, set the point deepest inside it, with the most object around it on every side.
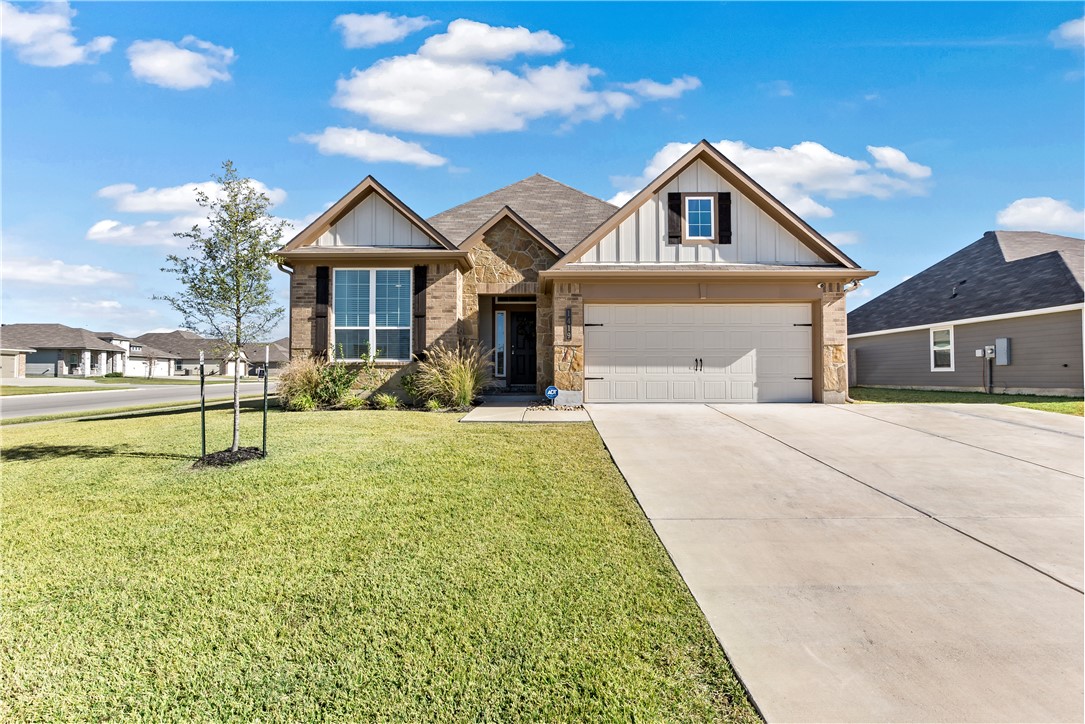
(85, 364)
(834, 343)
(568, 353)
(544, 342)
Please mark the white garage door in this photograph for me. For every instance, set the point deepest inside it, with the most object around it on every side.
(697, 353)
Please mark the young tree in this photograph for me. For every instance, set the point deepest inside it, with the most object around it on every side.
(225, 278)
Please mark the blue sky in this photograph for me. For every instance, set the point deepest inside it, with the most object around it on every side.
(904, 131)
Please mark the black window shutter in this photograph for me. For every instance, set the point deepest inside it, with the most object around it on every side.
(419, 326)
(320, 322)
(723, 217)
(674, 218)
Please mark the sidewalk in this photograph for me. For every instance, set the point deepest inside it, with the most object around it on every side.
(514, 408)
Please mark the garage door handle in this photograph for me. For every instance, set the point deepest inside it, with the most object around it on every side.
(808, 324)
(803, 378)
(592, 378)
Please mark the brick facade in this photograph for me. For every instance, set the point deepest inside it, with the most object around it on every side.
(302, 310)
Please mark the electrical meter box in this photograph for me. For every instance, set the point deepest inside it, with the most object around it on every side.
(1002, 351)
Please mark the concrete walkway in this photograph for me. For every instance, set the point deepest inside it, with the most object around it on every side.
(514, 408)
(874, 562)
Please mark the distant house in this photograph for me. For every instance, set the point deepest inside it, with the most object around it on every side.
(278, 353)
(1001, 315)
(13, 362)
(185, 347)
(141, 360)
(62, 351)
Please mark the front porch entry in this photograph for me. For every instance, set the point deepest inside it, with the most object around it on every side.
(513, 330)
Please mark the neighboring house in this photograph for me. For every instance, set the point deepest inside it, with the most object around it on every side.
(140, 360)
(1003, 315)
(184, 348)
(13, 362)
(277, 352)
(703, 287)
(62, 351)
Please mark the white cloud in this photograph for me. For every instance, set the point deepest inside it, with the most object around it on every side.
(1042, 213)
(44, 36)
(172, 199)
(56, 272)
(778, 88)
(146, 233)
(369, 146)
(467, 40)
(367, 31)
(192, 63)
(454, 86)
(1070, 34)
(658, 91)
(794, 175)
(843, 238)
(893, 159)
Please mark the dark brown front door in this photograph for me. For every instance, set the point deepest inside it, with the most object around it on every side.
(522, 348)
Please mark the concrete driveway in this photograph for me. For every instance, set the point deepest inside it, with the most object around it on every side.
(874, 563)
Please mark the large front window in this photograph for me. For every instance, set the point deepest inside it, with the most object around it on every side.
(372, 309)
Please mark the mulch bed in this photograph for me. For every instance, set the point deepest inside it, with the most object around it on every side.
(226, 458)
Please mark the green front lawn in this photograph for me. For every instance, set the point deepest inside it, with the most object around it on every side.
(1064, 405)
(9, 390)
(379, 565)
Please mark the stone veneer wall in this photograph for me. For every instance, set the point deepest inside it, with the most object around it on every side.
(834, 343)
(568, 354)
(508, 260)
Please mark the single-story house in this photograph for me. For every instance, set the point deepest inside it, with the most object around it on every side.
(1001, 315)
(62, 351)
(277, 352)
(184, 347)
(140, 360)
(702, 287)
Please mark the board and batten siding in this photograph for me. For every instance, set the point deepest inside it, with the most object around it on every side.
(375, 223)
(642, 237)
(1045, 354)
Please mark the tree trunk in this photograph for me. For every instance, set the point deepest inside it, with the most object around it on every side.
(237, 400)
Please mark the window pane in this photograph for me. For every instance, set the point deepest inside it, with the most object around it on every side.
(393, 298)
(393, 344)
(499, 344)
(699, 218)
(940, 337)
(351, 343)
(941, 358)
(351, 298)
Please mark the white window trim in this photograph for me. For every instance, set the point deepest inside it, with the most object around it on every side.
(952, 349)
(499, 344)
(372, 327)
(712, 219)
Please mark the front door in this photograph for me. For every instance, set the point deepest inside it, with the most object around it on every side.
(522, 348)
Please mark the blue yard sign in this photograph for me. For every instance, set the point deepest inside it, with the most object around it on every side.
(551, 392)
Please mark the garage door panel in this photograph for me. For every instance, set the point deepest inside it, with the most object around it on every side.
(748, 353)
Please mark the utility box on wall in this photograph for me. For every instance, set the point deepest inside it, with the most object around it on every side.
(1002, 351)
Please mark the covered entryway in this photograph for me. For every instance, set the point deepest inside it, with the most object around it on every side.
(698, 353)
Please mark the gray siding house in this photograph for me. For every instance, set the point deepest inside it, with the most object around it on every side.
(1002, 315)
(62, 351)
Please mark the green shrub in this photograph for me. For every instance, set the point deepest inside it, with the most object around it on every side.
(113, 374)
(454, 376)
(352, 402)
(318, 383)
(433, 405)
(385, 401)
(409, 383)
(300, 402)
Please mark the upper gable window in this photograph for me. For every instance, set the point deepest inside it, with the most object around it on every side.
(699, 218)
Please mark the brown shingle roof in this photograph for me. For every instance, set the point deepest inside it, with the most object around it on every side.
(184, 344)
(53, 336)
(559, 212)
(279, 351)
